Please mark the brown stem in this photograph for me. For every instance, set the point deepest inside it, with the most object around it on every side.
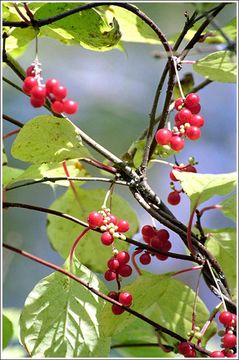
(103, 296)
(6, 136)
(136, 252)
(75, 245)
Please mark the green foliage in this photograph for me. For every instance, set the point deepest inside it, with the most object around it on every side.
(60, 317)
(88, 28)
(51, 170)
(10, 174)
(219, 66)
(90, 251)
(201, 187)
(48, 139)
(230, 207)
(7, 330)
(222, 244)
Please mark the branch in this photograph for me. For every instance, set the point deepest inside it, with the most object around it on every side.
(103, 296)
(12, 121)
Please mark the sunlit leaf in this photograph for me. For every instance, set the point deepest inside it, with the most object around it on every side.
(7, 330)
(229, 207)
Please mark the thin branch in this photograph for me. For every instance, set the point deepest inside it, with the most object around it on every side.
(21, 14)
(103, 296)
(12, 121)
(82, 223)
(13, 84)
(61, 178)
(11, 133)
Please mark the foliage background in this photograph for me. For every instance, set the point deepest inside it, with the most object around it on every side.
(115, 92)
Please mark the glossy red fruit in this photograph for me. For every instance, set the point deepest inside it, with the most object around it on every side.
(148, 230)
(174, 198)
(167, 246)
(191, 354)
(95, 219)
(123, 226)
(70, 107)
(156, 242)
(225, 318)
(193, 133)
(59, 91)
(29, 83)
(176, 143)
(113, 295)
(229, 340)
(125, 270)
(195, 109)
(171, 175)
(184, 347)
(184, 116)
(145, 259)
(30, 71)
(110, 275)
(123, 257)
(163, 136)
(233, 323)
(161, 257)
(50, 85)
(217, 354)
(113, 219)
(197, 120)
(125, 298)
(57, 107)
(190, 168)
(107, 238)
(36, 103)
(191, 100)
(179, 104)
(113, 264)
(177, 121)
(117, 310)
(38, 92)
(163, 234)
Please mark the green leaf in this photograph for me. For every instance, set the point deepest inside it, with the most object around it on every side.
(4, 156)
(52, 170)
(222, 244)
(230, 207)
(201, 187)
(7, 331)
(10, 174)
(145, 352)
(219, 66)
(48, 139)
(88, 28)
(90, 251)
(17, 42)
(153, 287)
(60, 317)
(133, 28)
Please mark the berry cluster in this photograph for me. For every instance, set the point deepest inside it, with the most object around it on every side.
(187, 123)
(112, 228)
(174, 197)
(229, 339)
(125, 298)
(186, 349)
(159, 239)
(52, 90)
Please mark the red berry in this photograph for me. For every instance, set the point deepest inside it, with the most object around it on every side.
(179, 104)
(107, 238)
(37, 102)
(113, 295)
(233, 323)
(110, 275)
(193, 133)
(156, 242)
(184, 116)
(113, 264)
(195, 109)
(184, 347)
(190, 168)
(117, 310)
(125, 270)
(161, 257)
(217, 354)
(197, 120)
(95, 219)
(145, 259)
(57, 107)
(50, 85)
(113, 219)
(123, 257)
(123, 226)
(163, 234)
(30, 71)
(229, 354)
(192, 100)
(163, 136)
(148, 230)
(70, 106)
(176, 143)
(190, 354)
(229, 340)
(38, 92)
(171, 175)
(174, 198)
(177, 120)
(125, 298)
(225, 318)
(167, 246)
(59, 92)
(29, 83)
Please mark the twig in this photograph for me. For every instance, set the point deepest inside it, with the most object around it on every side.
(103, 296)
(6, 136)
(12, 121)
(12, 84)
(75, 245)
